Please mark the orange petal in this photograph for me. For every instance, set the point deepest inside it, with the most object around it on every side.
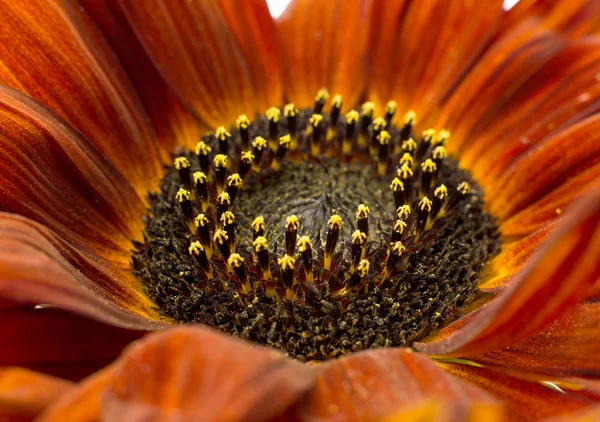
(323, 44)
(74, 74)
(564, 271)
(83, 403)
(37, 266)
(438, 411)
(525, 401)
(214, 74)
(371, 385)
(433, 44)
(570, 346)
(59, 343)
(590, 414)
(24, 394)
(546, 167)
(171, 121)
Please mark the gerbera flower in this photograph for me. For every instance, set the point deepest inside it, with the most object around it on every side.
(414, 235)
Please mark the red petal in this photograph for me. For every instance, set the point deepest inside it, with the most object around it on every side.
(59, 343)
(172, 123)
(74, 74)
(426, 49)
(563, 273)
(199, 374)
(371, 385)
(323, 44)
(213, 73)
(37, 266)
(525, 401)
(570, 346)
(24, 394)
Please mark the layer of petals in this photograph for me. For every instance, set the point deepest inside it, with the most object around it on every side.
(562, 274)
(372, 385)
(438, 411)
(568, 347)
(172, 122)
(210, 63)
(24, 393)
(51, 52)
(524, 400)
(37, 266)
(324, 45)
(59, 343)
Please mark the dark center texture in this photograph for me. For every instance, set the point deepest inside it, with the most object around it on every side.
(435, 277)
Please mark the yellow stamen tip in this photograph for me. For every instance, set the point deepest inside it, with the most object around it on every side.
(220, 160)
(409, 145)
(379, 123)
(182, 195)
(410, 118)
(258, 223)
(425, 204)
(399, 226)
(428, 135)
(220, 237)
(391, 107)
(359, 237)
(273, 114)
(247, 156)
(181, 163)
(335, 222)
(405, 172)
(322, 95)
(202, 148)
(384, 137)
(259, 143)
(199, 177)
(429, 166)
(242, 122)
(221, 133)
(337, 101)
(315, 120)
(441, 192)
(442, 136)
(403, 212)
(227, 218)
(352, 117)
(407, 159)
(439, 153)
(292, 223)
(304, 244)
(286, 262)
(363, 268)
(290, 110)
(201, 220)
(223, 198)
(362, 211)
(285, 141)
(234, 180)
(235, 260)
(464, 188)
(368, 108)
(397, 248)
(260, 244)
(397, 185)
(195, 248)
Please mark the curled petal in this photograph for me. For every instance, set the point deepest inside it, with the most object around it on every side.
(24, 394)
(568, 347)
(208, 62)
(74, 74)
(423, 50)
(524, 400)
(324, 44)
(172, 122)
(371, 385)
(37, 266)
(562, 274)
(59, 343)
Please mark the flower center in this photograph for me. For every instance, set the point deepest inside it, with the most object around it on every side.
(317, 233)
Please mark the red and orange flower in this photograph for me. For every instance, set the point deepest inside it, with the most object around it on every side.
(97, 95)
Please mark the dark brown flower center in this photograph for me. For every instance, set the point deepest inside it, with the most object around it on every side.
(317, 233)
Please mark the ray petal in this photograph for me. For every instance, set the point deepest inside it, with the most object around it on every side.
(218, 68)
(375, 384)
(74, 74)
(562, 274)
(323, 45)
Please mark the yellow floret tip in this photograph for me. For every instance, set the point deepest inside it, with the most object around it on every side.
(384, 137)
(234, 180)
(441, 192)
(292, 223)
(220, 237)
(397, 185)
(304, 244)
(464, 188)
(223, 198)
(322, 95)
(362, 211)
(195, 248)
(290, 110)
(405, 172)
(199, 177)
(379, 124)
(315, 120)
(335, 222)
(222, 134)
(220, 160)
(391, 107)
(368, 108)
(410, 118)
(425, 204)
(359, 237)
(182, 195)
(259, 143)
(403, 212)
(273, 114)
(352, 117)
(181, 163)
(258, 223)
(242, 122)
(235, 260)
(409, 145)
(202, 148)
(337, 101)
(260, 244)
(285, 141)
(227, 218)
(363, 268)
(201, 220)
(286, 262)
(429, 166)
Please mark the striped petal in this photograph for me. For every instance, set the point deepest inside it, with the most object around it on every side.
(375, 384)
(44, 54)
(562, 274)
(212, 54)
(24, 394)
(323, 44)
